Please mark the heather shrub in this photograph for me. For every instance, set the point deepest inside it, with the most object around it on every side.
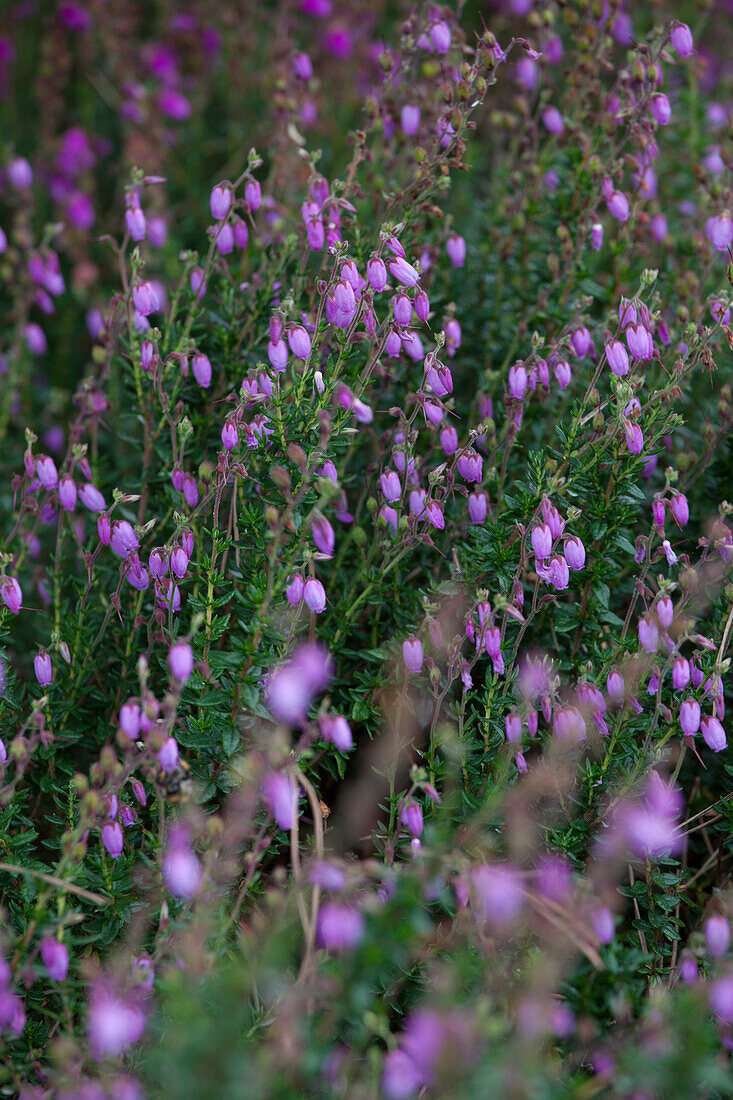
(366, 551)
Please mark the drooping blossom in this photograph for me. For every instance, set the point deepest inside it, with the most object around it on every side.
(340, 927)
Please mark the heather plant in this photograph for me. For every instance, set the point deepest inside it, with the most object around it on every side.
(366, 551)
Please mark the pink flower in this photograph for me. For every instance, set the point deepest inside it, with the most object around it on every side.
(411, 817)
(681, 39)
(574, 553)
(661, 110)
(253, 194)
(201, 366)
(717, 936)
(518, 381)
(403, 272)
(129, 719)
(618, 205)
(376, 273)
(680, 509)
(410, 119)
(281, 795)
(123, 540)
(190, 491)
(289, 690)
(182, 871)
(603, 924)
(112, 838)
(455, 246)
(135, 223)
(55, 958)
(336, 729)
(713, 733)
(229, 435)
(648, 635)
(541, 539)
(43, 668)
(617, 358)
(220, 201)
(478, 504)
(145, 298)
(67, 493)
(314, 595)
(690, 717)
(553, 120)
(340, 927)
(180, 661)
(412, 654)
(634, 437)
(641, 345)
(91, 498)
(11, 593)
(46, 472)
(323, 536)
(496, 895)
(300, 342)
(113, 1023)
